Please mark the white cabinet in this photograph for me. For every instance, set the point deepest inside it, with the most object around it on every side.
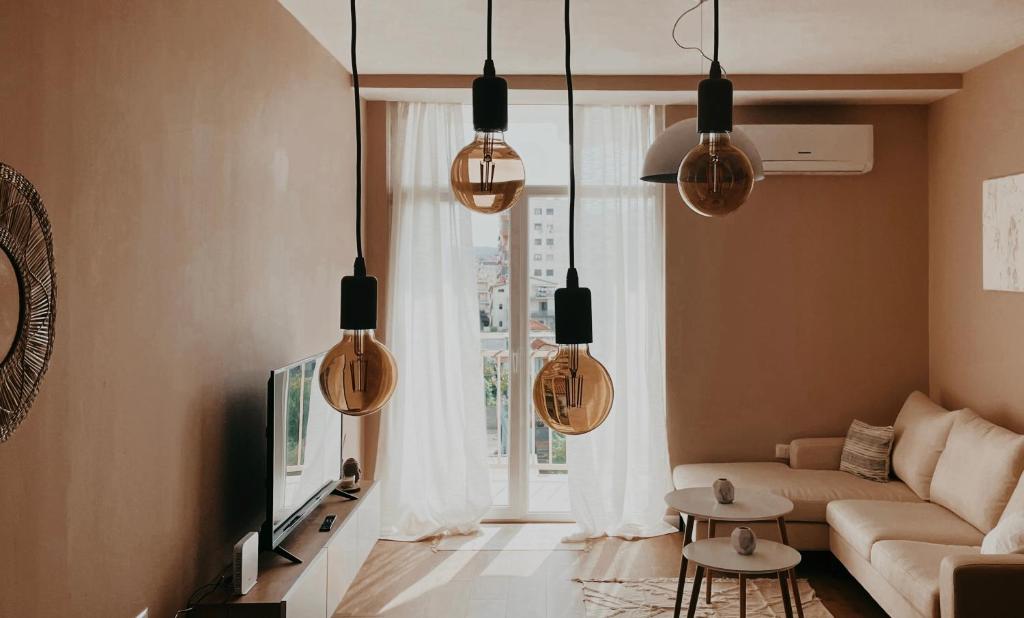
(368, 516)
(308, 597)
(350, 546)
(341, 562)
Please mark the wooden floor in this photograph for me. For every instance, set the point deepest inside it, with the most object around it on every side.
(411, 580)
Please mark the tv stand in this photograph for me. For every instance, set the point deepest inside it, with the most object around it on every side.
(344, 494)
(313, 587)
(287, 555)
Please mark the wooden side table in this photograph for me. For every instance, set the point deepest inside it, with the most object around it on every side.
(718, 554)
(749, 505)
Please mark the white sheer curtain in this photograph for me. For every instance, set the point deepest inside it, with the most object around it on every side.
(433, 465)
(619, 473)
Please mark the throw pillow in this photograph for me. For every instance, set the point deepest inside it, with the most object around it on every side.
(866, 451)
(978, 470)
(1007, 537)
(921, 431)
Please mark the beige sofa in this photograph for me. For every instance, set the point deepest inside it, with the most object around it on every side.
(914, 542)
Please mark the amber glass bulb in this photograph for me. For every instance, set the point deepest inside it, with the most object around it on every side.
(487, 175)
(715, 177)
(358, 375)
(573, 392)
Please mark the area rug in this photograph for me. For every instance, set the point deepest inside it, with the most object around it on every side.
(515, 537)
(656, 597)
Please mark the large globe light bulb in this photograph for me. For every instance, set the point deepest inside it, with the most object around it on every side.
(573, 392)
(358, 375)
(488, 176)
(715, 177)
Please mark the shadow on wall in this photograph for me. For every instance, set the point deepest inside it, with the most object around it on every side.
(233, 498)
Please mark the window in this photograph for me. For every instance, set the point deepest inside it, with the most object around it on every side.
(551, 257)
(551, 211)
(537, 257)
(550, 272)
(536, 241)
(536, 211)
(551, 229)
(551, 242)
(537, 227)
(536, 272)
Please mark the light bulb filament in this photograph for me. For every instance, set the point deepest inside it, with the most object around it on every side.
(574, 381)
(357, 366)
(487, 164)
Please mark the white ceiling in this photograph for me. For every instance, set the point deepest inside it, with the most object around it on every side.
(633, 37)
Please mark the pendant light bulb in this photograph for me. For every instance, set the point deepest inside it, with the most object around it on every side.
(573, 391)
(359, 374)
(715, 177)
(487, 175)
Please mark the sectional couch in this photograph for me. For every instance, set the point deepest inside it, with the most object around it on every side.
(914, 543)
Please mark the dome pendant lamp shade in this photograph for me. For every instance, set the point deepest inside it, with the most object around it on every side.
(358, 375)
(666, 153)
(487, 176)
(715, 177)
(573, 391)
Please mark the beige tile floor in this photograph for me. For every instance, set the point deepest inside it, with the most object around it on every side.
(404, 580)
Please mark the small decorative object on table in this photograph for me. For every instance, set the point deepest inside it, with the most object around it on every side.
(350, 473)
(725, 493)
(744, 541)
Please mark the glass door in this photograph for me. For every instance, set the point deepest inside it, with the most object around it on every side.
(521, 257)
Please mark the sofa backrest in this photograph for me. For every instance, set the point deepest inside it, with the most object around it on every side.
(978, 470)
(922, 428)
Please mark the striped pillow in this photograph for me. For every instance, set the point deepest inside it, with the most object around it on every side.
(866, 451)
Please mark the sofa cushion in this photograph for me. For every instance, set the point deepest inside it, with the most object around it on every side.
(912, 567)
(866, 451)
(921, 431)
(978, 470)
(1007, 537)
(862, 523)
(810, 490)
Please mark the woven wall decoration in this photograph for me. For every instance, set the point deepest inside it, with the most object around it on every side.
(26, 242)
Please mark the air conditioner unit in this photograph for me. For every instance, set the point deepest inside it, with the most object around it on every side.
(814, 148)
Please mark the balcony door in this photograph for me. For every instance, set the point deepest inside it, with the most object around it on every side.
(522, 256)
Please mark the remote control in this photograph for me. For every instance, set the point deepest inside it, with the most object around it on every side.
(328, 523)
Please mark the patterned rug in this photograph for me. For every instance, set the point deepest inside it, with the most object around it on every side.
(656, 597)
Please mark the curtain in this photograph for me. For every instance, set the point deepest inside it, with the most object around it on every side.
(433, 465)
(619, 473)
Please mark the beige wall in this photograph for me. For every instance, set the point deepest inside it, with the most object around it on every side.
(195, 160)
(976, 337)
(806, 308)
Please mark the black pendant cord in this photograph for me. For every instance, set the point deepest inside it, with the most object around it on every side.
(489, 29)
(715, 54)
(572, 158)
(360, 264)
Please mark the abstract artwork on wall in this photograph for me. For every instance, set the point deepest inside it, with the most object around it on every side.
(1002, 231)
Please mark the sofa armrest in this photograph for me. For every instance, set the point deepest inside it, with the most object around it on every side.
(816, 453)
(981, 585)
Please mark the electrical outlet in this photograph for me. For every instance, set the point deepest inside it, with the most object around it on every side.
(143, 614)
(782, 451)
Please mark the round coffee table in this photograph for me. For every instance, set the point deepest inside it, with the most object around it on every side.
(718, 554)
(749, 505)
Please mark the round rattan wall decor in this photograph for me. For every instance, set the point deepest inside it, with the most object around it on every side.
(28, 297)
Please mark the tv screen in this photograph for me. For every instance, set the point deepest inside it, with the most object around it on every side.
(304, 447)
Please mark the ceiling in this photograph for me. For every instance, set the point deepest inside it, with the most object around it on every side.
(614, 37)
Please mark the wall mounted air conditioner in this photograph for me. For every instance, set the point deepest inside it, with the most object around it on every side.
(814, 148)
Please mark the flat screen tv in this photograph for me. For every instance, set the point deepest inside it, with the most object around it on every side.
(303, 450)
